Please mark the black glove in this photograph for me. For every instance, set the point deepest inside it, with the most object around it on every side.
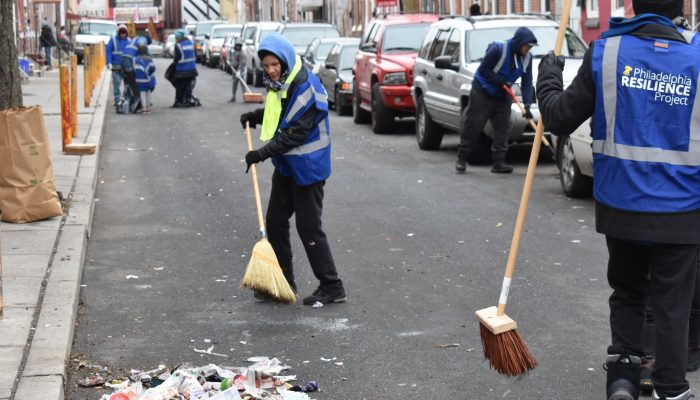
(528, 114)
(249, 117)
(551, 59)
(252, 157)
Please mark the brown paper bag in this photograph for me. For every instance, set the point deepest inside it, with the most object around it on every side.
(27, 186)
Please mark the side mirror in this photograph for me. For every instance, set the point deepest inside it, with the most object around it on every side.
(248, 42)
(370, 47)
(445, 62)
(331, 65)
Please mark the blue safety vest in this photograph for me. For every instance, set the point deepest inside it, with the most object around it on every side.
(188, 60)
(646, 125)
(128, 54)
(115, 47)
(309, 162)
(504, 65)
(144, 73)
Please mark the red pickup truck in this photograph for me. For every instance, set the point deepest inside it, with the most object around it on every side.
(383, 70)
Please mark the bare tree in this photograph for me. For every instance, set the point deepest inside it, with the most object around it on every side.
(10, 86)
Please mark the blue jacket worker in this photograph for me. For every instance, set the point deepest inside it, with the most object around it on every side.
(503, 64)
(185, 62)
(295, 121)
(145, 76)
(115, 48)
(639, 82)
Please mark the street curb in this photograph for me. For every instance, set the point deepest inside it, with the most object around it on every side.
(44, 374)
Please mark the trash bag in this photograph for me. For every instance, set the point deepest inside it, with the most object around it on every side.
(170, 73)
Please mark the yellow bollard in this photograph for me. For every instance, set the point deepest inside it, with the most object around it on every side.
(65, 106)
(74, 94)
(86, 76)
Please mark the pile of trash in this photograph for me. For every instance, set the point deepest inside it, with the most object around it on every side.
(261, 380)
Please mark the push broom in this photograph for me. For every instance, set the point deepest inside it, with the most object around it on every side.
(503, 347)
(264, 273)
(248, 96)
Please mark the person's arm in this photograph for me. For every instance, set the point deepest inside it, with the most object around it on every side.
(526, 88)
(565, 110)
(292, 137)
(109, 50)
(178, 55)
(487, 65)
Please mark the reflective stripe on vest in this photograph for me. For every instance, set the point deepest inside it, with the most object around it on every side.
(503, 67)
(139, 67)
(185, 59)
(504, 54)
(302, 99)
(609, 147)
(323, 141)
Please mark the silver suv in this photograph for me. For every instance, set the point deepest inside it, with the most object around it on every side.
(253, 34)
(447, 63)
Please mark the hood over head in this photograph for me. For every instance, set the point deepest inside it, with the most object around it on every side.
(122, 28)
(280, 47)
(523, 36)
(666, 8)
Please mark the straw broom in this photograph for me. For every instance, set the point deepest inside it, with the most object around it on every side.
(248, 96)
(264, 273)
(503, 347)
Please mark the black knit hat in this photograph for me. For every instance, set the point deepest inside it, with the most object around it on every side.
(667, 8)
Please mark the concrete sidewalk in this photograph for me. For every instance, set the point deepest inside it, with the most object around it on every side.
(43, 261)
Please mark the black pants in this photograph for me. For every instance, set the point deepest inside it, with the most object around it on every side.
(480, 110)
(183, 89)
(665, 274)
(286, 199)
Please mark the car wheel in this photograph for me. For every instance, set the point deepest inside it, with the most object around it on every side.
(481, 149)
(359, 116)
(428, 134)
(382, 117)
(257, 78)
(249, 76)
(341, 107)
(573, 182)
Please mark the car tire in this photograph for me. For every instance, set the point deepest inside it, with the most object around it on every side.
(428, 134)
(382, 117)
(257, 78)
(573, 182)
(249, 76)
(481, 151)
(340, 108)
(359, 116)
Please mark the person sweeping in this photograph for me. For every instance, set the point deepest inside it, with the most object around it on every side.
(639, 82)
(295, 122)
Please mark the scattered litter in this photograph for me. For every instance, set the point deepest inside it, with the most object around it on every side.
(308, 387)
(210, 351)
(158, 268)
(575, 241)
(409, 234)
(448, 345)
(339, 363)
(317, 304)
(132, 277)
(220, 280)
(143, 286)
(329, 359)
(498, 225)
(92, 381)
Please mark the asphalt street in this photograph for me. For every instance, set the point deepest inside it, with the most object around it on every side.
(419, 248)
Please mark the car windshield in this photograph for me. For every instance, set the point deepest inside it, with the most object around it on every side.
(322, 50)
(347, 57)
(96, 28)
(265, 32)
(204, 28)
(404, 37)
(219, 33)
(480, 39)
(303, 36)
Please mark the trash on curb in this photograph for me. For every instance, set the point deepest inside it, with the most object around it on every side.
(261, 380)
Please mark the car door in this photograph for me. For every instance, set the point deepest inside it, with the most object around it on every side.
(434, 97)
(451, 82)
(367, 51)
(328, 75)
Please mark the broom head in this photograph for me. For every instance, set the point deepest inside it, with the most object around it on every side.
(252, 97)
(503, 347)
(264, 274)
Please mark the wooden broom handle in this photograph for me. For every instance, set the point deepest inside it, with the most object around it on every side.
(529, 177)
(522, 110)
(256, 189)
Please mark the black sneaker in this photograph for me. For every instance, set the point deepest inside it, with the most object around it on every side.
(623, 376)
(461, 166)
(323, 296)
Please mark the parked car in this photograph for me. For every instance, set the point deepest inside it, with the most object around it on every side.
(211, 47)
(383, 69)
(156, 48)
(301, 35)
(91, 31)
(446, 65)
(336, 74)
(575, 161)
(224, 53)
(316, 53)
(203, 28)
(250, 49)
(169, 46)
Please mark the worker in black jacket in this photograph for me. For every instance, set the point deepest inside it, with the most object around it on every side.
(47, 41)
(639, 83)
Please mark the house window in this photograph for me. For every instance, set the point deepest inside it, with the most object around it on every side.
(592, 8)
(617, 8)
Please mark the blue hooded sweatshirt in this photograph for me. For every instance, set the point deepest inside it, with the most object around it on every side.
(621, 26)
(280, 47)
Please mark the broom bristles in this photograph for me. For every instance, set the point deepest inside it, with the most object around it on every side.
(264, 274)
(507, 352)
